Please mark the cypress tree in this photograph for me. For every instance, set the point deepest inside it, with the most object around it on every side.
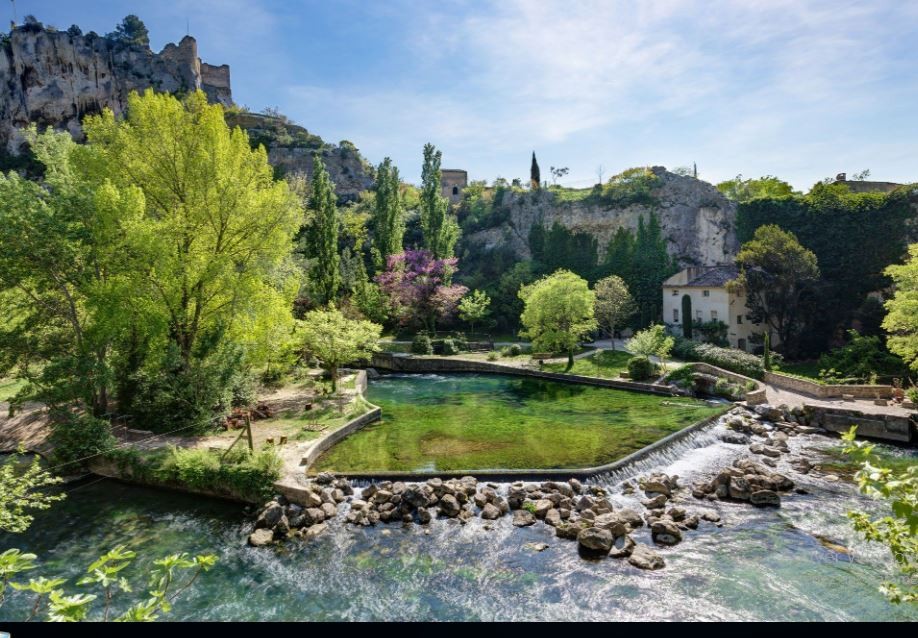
(439, 228)
(388, 214)
(324, 233)
(535, 176)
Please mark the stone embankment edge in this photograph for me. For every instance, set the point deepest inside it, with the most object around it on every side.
(416, 364)
(823, 391)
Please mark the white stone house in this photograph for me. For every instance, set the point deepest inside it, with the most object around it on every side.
(700, 294)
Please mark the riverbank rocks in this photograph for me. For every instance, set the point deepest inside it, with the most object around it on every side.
(747, 476)
(643, 557)
(523, 518)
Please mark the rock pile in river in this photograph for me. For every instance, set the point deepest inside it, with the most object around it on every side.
(280, 519)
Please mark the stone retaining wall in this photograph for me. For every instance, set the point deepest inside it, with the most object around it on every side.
(322, 445)
(886, 427)
(754, 397)
(403, 363)
(823, 391)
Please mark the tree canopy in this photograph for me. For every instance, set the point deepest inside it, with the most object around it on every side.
(558, 313)
(776, 274)
(614, 304)
(901, 322)
(440, 229)
(336, 340)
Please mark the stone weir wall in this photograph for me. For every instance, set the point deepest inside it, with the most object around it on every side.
(54, 78)
(405, 363)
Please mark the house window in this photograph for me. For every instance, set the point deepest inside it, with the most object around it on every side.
(455, 190)
(706, 293)
(741, 344)
(675, 315)
(698, 315)
(675, 293)
(713, 315)
(739, 320)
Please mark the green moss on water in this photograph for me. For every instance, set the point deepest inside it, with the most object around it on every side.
(478, 422)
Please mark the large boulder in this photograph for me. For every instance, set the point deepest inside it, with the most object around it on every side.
(270, 516)
(449, 506)
(765, 498)
(622, 547)
(261, 537)
(523, 518)
(665, 532)
(643, 557)
(594, 540)
(490, 512)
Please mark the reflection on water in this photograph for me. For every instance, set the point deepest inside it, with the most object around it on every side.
(763, 564)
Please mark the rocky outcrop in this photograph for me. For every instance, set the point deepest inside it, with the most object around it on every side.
(55, 78)
(697, 220)
(290, 149)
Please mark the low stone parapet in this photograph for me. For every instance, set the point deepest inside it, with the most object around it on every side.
(885, 427)
(827, 391)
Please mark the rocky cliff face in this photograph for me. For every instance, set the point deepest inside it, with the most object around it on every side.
(54, 78)
(290, 148)
(697, 221)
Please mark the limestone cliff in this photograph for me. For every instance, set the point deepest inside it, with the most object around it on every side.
(290, 148)
(697, 221)
(55, 78)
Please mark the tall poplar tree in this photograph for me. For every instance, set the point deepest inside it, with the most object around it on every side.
(439, 228)
(388, 214)
(324, 232)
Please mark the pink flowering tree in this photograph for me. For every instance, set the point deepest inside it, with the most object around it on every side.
(417, 288)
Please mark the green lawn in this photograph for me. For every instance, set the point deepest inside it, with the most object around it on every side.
(477, 422)
(808, 369)
(605, 364)
(9, 388)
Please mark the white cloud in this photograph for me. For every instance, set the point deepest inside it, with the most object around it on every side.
(760, 78)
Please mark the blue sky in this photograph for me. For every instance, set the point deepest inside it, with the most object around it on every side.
(798, 89)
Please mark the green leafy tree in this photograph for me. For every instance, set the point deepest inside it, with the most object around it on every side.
(614, 305)
(776, 274)
(652, 341)
(211, 229)
(22, 492)
(324, 232)
(474, 308)
(899, 529)
(558, 312)
(336, 340)
(620, 253)
(440, 229)
(651, 264)
(854, 236)
(902, 319)
(132, 30)
(63, 276)
(388, 214)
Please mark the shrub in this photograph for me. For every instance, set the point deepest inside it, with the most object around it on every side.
(77, 436)
(683, 377)
(450, 347)
(640, 368)
(248, 475)
(493, 355)
(422, 344)
(727, 358)
(513, 350)
(860, 358)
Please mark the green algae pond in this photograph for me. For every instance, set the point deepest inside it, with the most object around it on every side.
(454, 422)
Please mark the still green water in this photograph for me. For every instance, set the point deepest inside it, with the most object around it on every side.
(478, 422)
